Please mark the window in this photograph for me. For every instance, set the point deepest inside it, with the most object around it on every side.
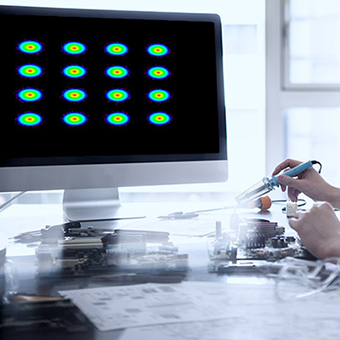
(313, 42)
(303, 83)
(313, 133)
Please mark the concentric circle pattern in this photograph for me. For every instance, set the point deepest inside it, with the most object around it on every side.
(30, 71)
(159, 95)
(158, 72)
(74, 119)
(117, 95)
(117, 118)
(29, 119)
(74, 71)
(116, 49)
(74, 95)
(30, 47)
(30, 95)
(117, 72)
(159, 118)
(158, 50)
(74, 47)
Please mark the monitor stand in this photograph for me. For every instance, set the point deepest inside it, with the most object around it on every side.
(95, 205)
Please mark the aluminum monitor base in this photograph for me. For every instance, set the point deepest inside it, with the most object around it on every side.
(95, 205)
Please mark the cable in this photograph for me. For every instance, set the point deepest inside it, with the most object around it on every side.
(317, 162)
(309, 277)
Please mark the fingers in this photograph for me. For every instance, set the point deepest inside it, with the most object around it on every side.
(293, 186)
(294, 222)
(285, 180)
(304, 218)
(288, 163)
(293, 194)
(297, 221)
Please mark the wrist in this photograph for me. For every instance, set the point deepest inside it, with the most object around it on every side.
(334, 248)
(334, 197)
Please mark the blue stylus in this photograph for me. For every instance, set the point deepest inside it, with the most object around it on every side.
(269, 184)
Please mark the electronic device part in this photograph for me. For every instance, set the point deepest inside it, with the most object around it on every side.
(46, 87)
(136, 251)
(268, 184)
(263, 203)
(252, 240)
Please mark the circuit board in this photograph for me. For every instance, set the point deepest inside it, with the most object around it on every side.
(251, 241)
(121, 251)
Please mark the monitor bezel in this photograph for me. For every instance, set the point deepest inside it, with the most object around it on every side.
(59, 173)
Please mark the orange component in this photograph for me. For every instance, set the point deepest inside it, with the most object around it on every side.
(266, 203)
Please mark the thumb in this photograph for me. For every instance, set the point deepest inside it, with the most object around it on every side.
(295, 221)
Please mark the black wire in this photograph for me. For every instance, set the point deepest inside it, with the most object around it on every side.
(317, 162)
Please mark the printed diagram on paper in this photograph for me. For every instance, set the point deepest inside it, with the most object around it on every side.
(206, 310)
(139, 305)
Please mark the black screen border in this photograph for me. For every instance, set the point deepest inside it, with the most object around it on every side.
(117, 14)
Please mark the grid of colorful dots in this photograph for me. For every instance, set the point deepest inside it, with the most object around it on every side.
(116, 49)
(30, 95)
(74, 71)
(117, 72)
(158, 72)
(29, 119)
(118, 118)
(74, 119)
(30, 46)
(117, 95)
(30, 71)
(78, 95)
(159, 95)
(74, 95)
(74, 47)
(159, 118)
(158, 50)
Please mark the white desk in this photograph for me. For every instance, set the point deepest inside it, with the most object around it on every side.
(251, 308)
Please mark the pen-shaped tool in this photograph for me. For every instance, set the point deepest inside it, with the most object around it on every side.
(268, 184)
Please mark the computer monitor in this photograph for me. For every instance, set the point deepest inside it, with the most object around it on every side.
(98, 99)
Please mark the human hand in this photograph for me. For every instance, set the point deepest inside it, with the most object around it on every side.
(308, 182)
(319, 230)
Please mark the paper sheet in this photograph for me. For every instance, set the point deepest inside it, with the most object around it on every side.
(257, 316)
(147, 304)
(205, 311)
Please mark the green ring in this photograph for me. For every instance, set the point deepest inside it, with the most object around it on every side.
(117, 72)
(117, 95)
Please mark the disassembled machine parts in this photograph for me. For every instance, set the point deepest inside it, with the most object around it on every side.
(122, 251)
(251, 241)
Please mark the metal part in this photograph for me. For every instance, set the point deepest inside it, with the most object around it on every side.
(259, 189)
(250, 243)
(128, 251)
(268, 184)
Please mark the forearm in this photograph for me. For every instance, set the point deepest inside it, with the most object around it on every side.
(333, 197)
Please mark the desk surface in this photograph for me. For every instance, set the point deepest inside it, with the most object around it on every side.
(252, 309)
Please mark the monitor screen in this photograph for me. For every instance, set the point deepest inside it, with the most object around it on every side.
(96, 87)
